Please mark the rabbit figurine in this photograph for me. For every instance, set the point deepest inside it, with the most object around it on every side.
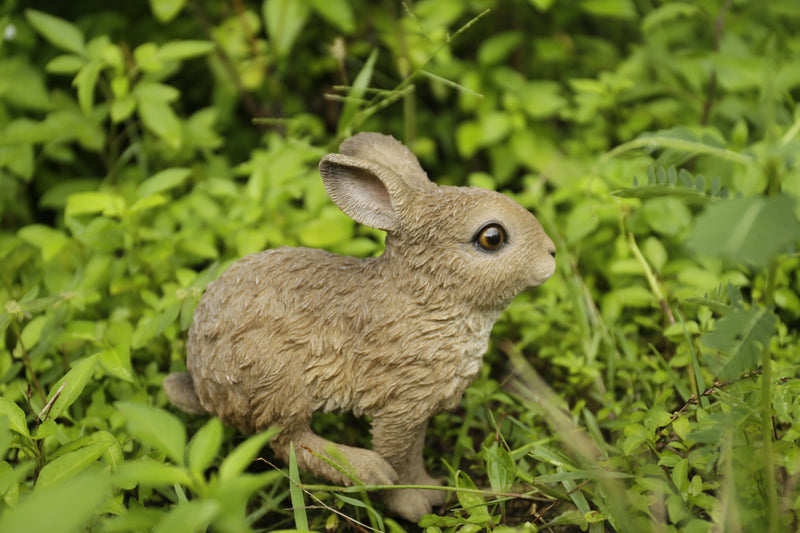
(290, 331)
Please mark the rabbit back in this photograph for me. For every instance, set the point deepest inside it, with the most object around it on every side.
(286, 332)
(255, 330)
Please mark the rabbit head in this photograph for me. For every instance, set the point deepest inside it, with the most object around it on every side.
(479, 246)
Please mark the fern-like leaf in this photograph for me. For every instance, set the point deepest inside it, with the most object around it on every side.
(677, 183)
(722, 299)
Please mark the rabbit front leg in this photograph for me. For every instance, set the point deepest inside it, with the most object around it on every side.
(401, 441)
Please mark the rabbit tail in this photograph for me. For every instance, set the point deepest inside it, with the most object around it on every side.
(180, 391)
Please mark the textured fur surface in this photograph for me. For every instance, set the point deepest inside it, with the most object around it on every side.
(287, 332)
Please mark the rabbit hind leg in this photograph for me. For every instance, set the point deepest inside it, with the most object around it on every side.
(335, 462)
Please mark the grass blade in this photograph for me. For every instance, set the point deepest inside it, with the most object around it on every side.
(298, 504)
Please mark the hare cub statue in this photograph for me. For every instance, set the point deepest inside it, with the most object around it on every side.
(287, 332)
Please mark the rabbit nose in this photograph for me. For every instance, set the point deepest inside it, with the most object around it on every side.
(550, 246)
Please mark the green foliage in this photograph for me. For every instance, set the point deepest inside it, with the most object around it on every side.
(651, 385)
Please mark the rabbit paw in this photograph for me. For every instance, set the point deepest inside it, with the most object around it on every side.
(409, 504)
(435, 497)
(370, 468)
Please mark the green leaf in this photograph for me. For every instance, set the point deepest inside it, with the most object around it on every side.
(163, 181)
(113, 456)
(654, 485)
(686, 195)
(146, 58)
(500, 467)
(468, 140)
(65, 64)
(542, 5)
(19, 159)
(234, 496)
(85, 82)
(495, 126)
(298, 503)
(542, 99)
(166, 10)
(668, 13)
(497, 48)
(680, 140)
(70, 464)
(580, 223)
(16, 416)
(680, 475)
(472, 502)
(156, 91)
(5, 440)
(189, 517)
(204, 446)
(667, 216)
(150, 473)
(152, 325)
(65, 508)
(86, 203)
(117, 362)
(741, 336)
(243, 455)
(23, 85)
(122, 108)
(635, 436)
(136, 518)
(337, 12)
(376, 517)
(159, 118)
(678, 511)
(681, 427)
(59, 32)
(748, 230)
(623, 9)
(284, 20)
(201, 246)
(181, 50)
(155, 427)
(74, 382)
(50, 241)
(149, 202)
(323, 232)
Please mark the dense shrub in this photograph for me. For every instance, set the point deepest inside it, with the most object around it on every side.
(652, 384)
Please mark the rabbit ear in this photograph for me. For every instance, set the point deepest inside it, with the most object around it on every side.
(357, 187)
(373, 177)
(389, 152)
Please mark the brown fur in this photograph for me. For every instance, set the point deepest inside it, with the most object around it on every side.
(287, 332)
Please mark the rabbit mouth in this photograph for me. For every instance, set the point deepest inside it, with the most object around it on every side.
(546, 271)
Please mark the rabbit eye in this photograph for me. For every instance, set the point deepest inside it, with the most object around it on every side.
(491, 237)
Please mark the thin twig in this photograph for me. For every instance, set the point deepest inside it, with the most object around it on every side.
(43, 414)
(651, 278)
(227, 62)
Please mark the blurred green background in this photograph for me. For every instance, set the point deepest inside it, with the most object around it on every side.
(651, 385)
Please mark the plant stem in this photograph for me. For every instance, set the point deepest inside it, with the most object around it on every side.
(651, 278)
(26, 362)
(769, 285)
(766, 434)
